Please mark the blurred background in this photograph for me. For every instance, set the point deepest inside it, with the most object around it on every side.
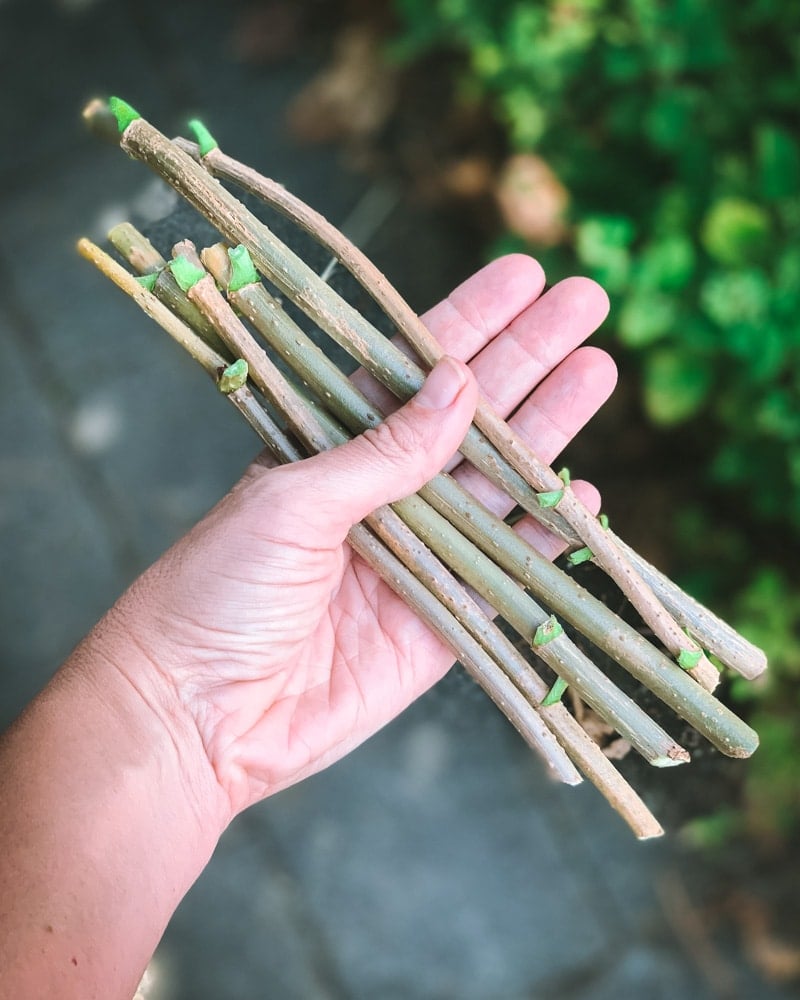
(653, 146)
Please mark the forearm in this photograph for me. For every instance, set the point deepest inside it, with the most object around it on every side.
(107, 816)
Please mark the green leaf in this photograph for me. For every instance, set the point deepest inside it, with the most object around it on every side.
(669, 118)
(736, 298)
(778, 158)
(549, 498)
(675, 386)
(580, 556)
(689, 658)
(602, 243)
(736, 231)
(148, 281)
(646, 318)
(526, 117)
(667, 264)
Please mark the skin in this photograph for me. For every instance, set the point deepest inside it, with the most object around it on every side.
(258, 649)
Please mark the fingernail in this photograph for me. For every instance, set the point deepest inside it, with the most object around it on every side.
(442, 385)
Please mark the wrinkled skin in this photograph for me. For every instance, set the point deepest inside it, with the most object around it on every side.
(281, 646)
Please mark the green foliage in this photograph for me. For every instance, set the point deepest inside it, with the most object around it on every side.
(674, 128)
(763, 603)
(768, 610)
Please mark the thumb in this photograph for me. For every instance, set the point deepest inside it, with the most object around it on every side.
(397, 457)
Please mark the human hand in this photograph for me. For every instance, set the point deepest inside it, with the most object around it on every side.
(262, 630)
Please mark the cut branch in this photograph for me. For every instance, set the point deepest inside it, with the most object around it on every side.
(710, 631)
(589, 615)
(421, 543)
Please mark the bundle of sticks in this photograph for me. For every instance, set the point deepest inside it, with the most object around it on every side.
(440, 547)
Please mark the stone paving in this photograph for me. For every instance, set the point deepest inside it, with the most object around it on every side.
(435, 862)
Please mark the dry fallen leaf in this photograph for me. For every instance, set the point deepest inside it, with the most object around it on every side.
(599, 730)
(532, 199)
(267, 32)
(468, 177)
(352, 97)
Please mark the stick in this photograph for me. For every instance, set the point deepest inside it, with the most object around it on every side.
(716, 635)
(476, 660)
(583, 751)
(490, 534)
(520, 610)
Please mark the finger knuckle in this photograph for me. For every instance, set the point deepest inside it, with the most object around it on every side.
(393, 439)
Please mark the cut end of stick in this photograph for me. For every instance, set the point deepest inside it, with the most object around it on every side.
(548, 631)
(674, 756)
(216, 261)
(556, 692)
(688, 659)
(651, 833)
(205, 140)
(123, 112)
(580, 556)
(100, 120)
(743, 750)
(550, 498)
(135, 248)
(186, 273)
(148, 281)
(243, 271)
(233, 377)
(705, 673)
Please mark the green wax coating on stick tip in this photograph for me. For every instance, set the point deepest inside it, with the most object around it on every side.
(550, 498)
(689, 658)
(123, 112)
(205, 140)
(242, 270)
(186, 273)
(553, 696)
(234, 377)
(148, 281)
(580, 556)
(547, 631)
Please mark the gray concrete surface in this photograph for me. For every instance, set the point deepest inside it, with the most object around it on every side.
(436, 861)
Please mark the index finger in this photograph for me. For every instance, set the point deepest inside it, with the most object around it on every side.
(471, 316)
(480, 308)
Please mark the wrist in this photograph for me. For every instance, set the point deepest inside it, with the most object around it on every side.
(157, 735)
(109, 814)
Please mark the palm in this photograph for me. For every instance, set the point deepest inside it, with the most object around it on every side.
(298, 647)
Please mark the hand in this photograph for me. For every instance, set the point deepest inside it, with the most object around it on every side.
(281, 648)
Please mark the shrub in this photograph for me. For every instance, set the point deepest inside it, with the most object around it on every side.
(672, 128)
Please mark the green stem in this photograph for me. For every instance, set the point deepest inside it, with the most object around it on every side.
(212, 361)
(145, 259)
